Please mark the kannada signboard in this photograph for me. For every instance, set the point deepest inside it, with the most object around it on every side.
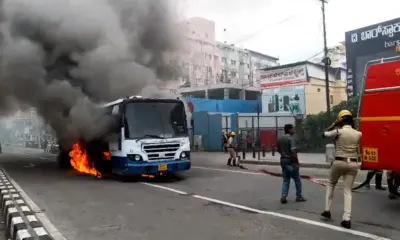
(296, 75)
(366, 44)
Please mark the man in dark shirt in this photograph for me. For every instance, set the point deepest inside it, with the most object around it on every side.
(290, 164)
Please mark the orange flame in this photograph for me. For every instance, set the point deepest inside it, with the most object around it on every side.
(107, 156)
(81, 162)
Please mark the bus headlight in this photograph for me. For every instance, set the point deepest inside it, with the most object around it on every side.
(185, 155)
(135, 157)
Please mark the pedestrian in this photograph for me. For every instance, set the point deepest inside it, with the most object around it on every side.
(231, 149)
(290, 164)
(249, 141)
(346, 163)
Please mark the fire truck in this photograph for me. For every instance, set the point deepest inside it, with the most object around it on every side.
(379, 116)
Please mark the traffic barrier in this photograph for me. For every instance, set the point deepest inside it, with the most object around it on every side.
(21, 222)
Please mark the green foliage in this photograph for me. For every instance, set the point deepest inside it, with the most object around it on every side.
(310, 136)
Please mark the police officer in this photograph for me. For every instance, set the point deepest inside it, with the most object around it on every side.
(346, 163)
(231, 150)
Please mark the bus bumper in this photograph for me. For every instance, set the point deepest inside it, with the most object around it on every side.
(131, 168)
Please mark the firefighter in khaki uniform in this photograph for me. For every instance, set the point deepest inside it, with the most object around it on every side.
(231, 150)
(346, 164)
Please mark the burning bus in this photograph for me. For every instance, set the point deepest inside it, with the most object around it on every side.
(149, 137)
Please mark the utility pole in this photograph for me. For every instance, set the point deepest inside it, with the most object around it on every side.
(326, 61)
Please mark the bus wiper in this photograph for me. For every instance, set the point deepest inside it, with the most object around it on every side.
(149, 136)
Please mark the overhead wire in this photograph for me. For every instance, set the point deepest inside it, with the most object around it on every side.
(262, 29)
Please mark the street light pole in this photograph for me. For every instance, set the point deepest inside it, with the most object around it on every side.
(326, 61)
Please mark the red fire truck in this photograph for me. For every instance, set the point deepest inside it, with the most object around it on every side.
(379, 116)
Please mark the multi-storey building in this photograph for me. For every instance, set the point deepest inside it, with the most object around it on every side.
(198, 57)
(260, 61)
(217, 70)
(235, 65)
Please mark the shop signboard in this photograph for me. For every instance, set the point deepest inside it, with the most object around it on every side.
(289, 100)
(366, 44)
(296, 75)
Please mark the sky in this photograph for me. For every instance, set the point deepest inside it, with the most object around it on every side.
(288, 29)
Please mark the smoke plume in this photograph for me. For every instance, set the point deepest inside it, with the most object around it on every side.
(64, 56)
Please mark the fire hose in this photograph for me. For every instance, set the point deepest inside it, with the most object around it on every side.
(275, 174)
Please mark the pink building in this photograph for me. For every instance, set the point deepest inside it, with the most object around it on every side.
(200, 57)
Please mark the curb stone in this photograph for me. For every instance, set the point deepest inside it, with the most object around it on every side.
(275, 163)
(21, 222)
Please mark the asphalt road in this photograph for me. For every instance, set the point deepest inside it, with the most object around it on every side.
(211, 201)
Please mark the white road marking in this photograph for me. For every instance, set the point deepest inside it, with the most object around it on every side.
(165, 188)
(228, 170)
(53, 231)
(275, 214)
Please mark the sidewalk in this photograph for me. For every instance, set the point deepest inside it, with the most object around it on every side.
(307, 160)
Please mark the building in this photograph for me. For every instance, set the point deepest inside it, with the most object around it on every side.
(368, 44)
(337, 55)
(298, 89)
(27, 124)
(235, 65)
(198, 58)
(217, 70)
(260, 61)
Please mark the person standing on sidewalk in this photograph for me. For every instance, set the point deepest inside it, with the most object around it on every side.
(290, 164)
(249, 141)
(347, 163)
(231, 149)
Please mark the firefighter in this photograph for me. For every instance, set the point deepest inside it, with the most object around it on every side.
(370, 175)
(224, 141)
(346, 163)
(393, 181)
(231, 149)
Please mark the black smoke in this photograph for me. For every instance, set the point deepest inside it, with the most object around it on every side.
(64, 56)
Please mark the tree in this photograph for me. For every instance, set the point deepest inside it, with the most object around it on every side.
(312, 126)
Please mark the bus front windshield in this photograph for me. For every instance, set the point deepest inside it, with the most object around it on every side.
(162, 119)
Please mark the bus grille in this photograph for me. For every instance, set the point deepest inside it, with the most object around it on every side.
(161, 151)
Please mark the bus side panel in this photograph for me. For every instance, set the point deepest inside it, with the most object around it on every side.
(380, 125)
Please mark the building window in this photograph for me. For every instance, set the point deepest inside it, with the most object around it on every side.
(233, 74)
(233, 62)
(331, 99)
(224, 60)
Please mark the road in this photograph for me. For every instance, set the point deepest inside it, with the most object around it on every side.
(211, 201)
